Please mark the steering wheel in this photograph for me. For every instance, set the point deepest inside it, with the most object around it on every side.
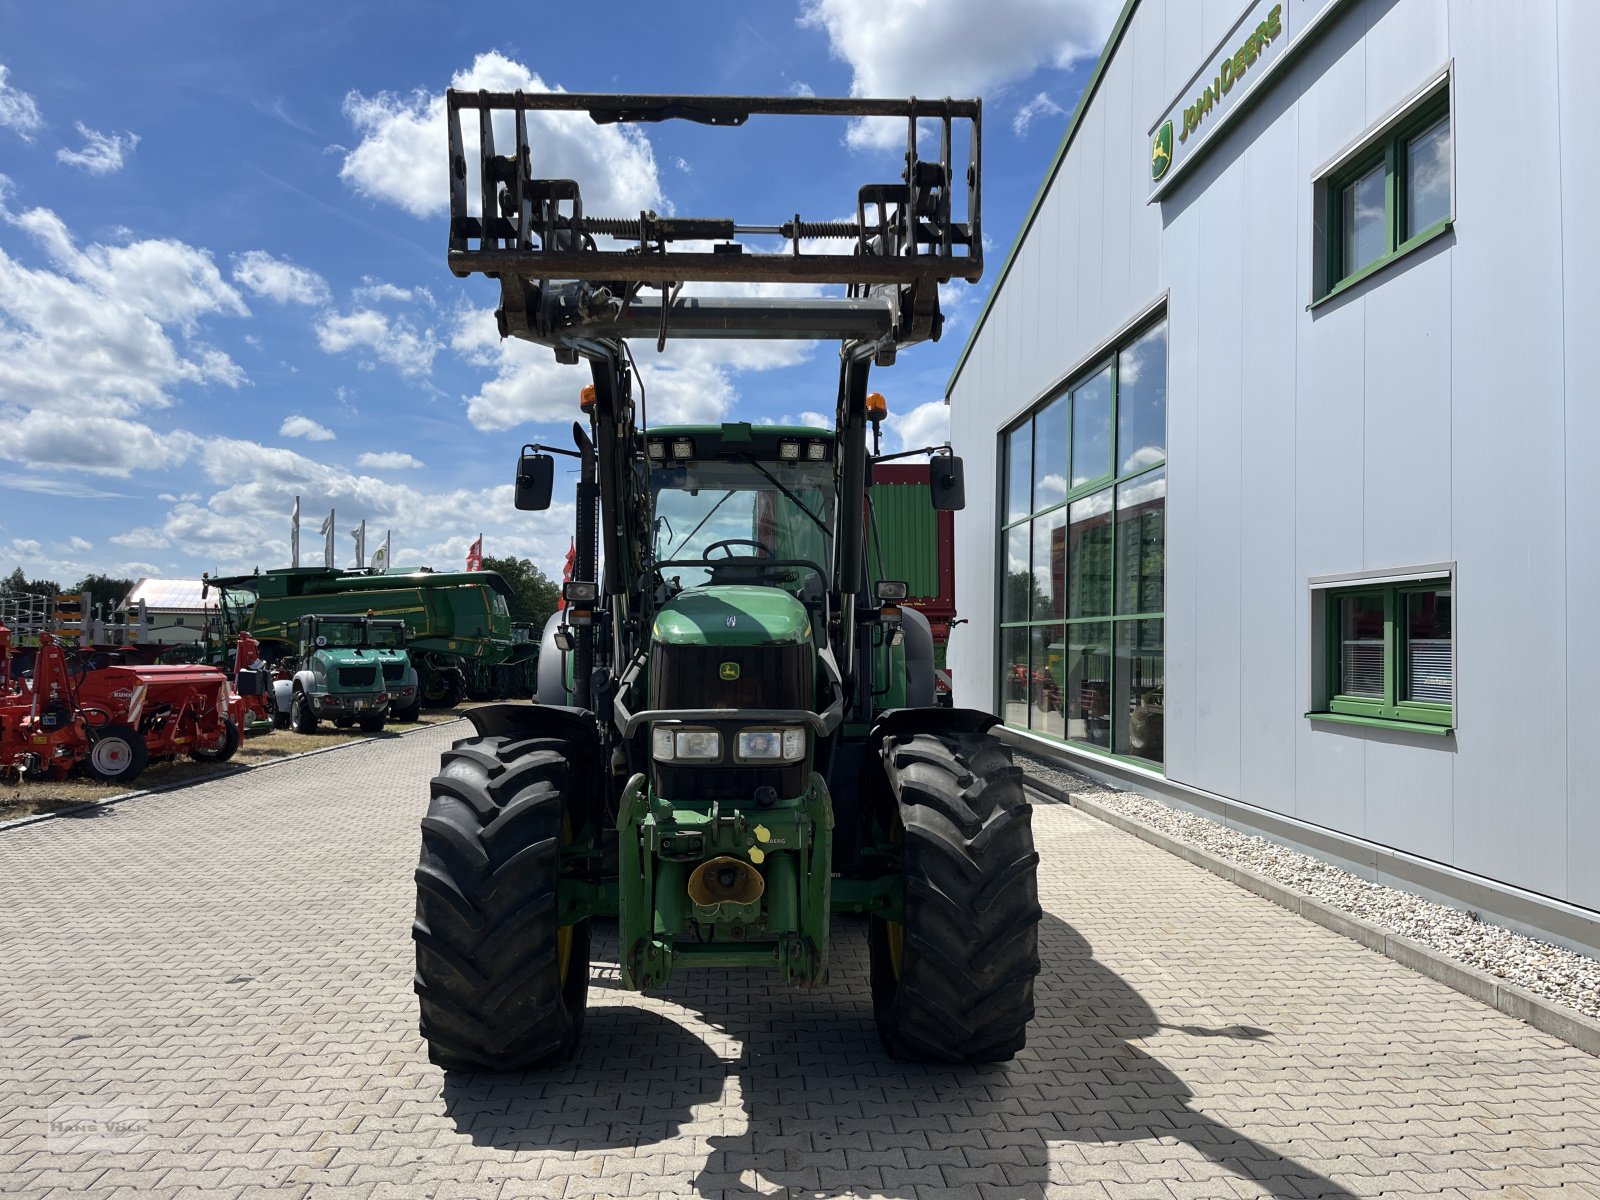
(728, 543)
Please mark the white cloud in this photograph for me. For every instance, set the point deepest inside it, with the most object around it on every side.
(801, 88)
(1041, 105)
(75, 489)
(683, 165)
(373, 291)
(925, 425)
(693, 381)
(390, 460)
(278, 279)
(79, 545)
(305, 427)
(18, 112)
(947, 48)
(102, 154)
(144, 537)
(393, 340)
(99, 445)
(401, 157)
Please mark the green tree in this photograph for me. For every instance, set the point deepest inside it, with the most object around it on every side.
(536, 593)
(108, 591)
(19, 584)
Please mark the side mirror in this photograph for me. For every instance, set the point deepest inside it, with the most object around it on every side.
(536, 475)
(947, 483)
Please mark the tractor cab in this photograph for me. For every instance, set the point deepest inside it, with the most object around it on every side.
(737, 506)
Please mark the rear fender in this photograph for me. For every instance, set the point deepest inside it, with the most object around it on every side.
(875, 818)
(282, 694)
(536, 720)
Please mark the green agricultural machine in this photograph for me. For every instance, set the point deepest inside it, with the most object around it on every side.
(458, 623)
(737, 736)
(351, 671)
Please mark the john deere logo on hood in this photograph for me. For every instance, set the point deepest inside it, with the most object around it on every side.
(728, 671)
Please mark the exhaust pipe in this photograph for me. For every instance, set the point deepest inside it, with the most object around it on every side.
(726, 888)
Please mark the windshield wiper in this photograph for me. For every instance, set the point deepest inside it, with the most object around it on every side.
(689, 537)
(793, 499)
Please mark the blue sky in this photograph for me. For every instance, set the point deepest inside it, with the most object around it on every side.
(222, 268)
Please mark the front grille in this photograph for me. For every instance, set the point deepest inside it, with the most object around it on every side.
(394, 672)
(357, 677)
(685, 677)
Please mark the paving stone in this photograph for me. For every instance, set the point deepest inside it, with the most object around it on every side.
(236, 959)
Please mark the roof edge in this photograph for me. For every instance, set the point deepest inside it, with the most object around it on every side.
(1084, 100)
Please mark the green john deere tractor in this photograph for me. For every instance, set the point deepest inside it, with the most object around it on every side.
(736, 734)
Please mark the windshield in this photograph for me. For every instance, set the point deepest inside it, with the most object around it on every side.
(756, 511)
(385, 636)
(340, 633)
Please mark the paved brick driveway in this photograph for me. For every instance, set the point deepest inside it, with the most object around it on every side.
(227, 970)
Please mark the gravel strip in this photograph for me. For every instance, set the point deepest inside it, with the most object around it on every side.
(1550, 971)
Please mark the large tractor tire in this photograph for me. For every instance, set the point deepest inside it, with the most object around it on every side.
(441, 689)
(502, 986)
(117, 754)
(302, 717)
(225, 748)
(953, 980)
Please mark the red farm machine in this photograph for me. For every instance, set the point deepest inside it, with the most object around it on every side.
(111, 722)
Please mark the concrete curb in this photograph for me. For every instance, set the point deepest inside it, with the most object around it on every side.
(1544, 1015)
(36, 818)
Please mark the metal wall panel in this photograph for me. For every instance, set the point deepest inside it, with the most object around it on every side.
(1270, 713)
(1406, 476)
(1217, 494)
(1330, 383)
(1578, 39)
(1509, 511)
(1184, 546)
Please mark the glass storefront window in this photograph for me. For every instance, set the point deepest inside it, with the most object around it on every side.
(1046, 706)
(1050, 455)
(1050, 565)
(1018, 586)
(1140, 690)
(1083, 542)
(1019, 471)
(1142, 543)
(1142, 402)
(1091, 429)
(1088, 682)
(1089, 556)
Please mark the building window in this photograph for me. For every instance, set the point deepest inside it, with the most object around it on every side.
(1391, 653)
(1390, 196)
(1083, 541)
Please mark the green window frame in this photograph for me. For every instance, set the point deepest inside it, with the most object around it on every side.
(1391, 676)
(1390, 154)
(1091, 645)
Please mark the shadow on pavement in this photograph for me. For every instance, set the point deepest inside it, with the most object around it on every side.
(825, 1112)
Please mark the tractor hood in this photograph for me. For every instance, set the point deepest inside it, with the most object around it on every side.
(733, 615)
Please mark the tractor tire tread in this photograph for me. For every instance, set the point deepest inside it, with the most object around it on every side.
(969, 954)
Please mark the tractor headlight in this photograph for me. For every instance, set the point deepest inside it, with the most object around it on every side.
(770, 745)
(673, 743)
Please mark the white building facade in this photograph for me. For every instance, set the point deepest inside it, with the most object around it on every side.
(1296, 475)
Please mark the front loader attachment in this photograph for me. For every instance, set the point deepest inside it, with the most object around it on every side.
(569, 277)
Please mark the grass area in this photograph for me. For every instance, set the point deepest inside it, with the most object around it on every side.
(51, 795)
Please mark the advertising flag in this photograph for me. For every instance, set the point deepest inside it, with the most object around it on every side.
(360, 535)
(475, 555)
(380, 556)
(294, 535)
(328, 528)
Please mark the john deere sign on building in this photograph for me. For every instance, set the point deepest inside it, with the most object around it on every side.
(1257, 43)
